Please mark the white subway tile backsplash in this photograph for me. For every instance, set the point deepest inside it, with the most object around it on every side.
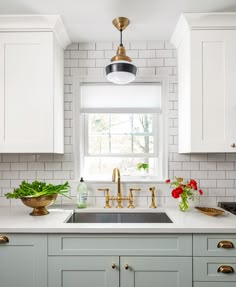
(36, 166)
(207, 165)
(96, 54)
(95, 72)
(156, 45)
(53, 165)
(103, 46)
(87, 63)
(87, 46)
(146, 72)
(19, 166)
(80, 72)
(145, 54)
(10, 157)
(138, 45)
(225, 183)
(155, 62)
(79, 54)
(225, 165)
(28, 175)
(5, 166)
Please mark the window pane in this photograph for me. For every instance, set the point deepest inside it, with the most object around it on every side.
(120, 123)
(97, 166)
(120, 134)
(98, 144)
(121, 144)
(98, 123)
(143, 144)
(142, 123)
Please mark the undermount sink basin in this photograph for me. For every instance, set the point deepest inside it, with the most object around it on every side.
(109, 217)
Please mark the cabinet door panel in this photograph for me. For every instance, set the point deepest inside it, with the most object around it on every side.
(24, 261)
(156, 271)
(208, 245)
(213, 102)
(83, 271)
(27, 92)
(206, 269)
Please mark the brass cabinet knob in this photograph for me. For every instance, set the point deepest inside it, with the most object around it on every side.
(3, 239)
(233, 145)
(225, 269)
(126, 266)
(113, 266)
(225, 244)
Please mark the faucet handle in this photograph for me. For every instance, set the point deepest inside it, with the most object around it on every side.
(107, 197)
(153, 204)
(131, 197)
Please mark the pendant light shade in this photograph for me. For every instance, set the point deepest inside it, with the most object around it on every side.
(120, 71)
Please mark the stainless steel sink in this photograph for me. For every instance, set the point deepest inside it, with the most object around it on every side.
(113, 217)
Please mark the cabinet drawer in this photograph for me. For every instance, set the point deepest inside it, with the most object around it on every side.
(135, 244)
(209, 245)
(205, 269)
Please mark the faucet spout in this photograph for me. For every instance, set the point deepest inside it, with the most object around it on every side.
(116, 178)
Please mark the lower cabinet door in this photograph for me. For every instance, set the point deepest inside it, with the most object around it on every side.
(23, 260)
(156, 271)
(83, 271)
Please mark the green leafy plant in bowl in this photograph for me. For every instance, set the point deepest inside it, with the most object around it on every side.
(38, 195)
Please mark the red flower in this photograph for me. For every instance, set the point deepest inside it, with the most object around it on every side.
(168, 180)
(193, 184)
(200, 192)
(176, 192)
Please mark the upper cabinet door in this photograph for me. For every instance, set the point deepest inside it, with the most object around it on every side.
(213, 100)
(26, 92)
(206, 46)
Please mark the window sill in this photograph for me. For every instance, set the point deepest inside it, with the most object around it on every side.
(144, 179)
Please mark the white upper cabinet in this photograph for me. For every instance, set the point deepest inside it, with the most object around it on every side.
(32, 84)
(206, 46)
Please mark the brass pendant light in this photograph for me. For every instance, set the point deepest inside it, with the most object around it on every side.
(120, 71)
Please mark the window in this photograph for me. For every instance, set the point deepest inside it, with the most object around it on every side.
(121, 127)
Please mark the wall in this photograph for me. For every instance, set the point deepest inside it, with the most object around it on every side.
(216, 173)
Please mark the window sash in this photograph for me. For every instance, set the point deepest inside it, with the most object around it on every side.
(155, 125)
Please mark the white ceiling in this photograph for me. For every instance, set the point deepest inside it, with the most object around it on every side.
(90, 20)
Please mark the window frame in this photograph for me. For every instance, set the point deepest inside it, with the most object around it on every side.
(79, 127)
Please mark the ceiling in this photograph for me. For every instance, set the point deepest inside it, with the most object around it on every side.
(90, 20)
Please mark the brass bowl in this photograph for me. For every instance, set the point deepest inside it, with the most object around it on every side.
(39, 203)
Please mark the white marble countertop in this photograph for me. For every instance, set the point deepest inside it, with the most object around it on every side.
(18, 220)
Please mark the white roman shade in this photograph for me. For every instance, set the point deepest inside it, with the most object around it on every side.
(135, 98)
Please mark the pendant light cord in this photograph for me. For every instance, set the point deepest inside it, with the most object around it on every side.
(121, 44)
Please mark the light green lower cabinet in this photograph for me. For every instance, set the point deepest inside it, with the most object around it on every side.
(83, 271)
(24, 261)
(155, 271)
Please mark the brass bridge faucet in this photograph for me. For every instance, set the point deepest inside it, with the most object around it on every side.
(118, 197)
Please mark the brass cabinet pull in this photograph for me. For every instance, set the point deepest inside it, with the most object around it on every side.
(225, 269)
(225, 244)
(3, 239)
(233, 145)
(126, 266)
(113, 266)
